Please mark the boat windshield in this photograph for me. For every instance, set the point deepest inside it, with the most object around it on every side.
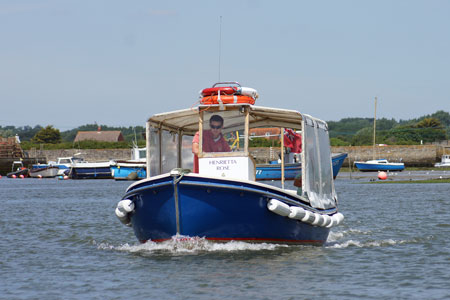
(223, 131)
(318, 186)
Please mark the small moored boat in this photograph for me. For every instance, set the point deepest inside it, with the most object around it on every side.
(272, 171)
(43, 171)
(379, 165)
(445, 162)
(18, 170)
(133, 169)
(91, 170)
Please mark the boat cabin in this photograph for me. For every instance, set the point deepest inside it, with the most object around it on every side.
(170, 138)
(69, 160)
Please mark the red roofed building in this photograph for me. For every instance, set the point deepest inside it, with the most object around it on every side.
(101, 136)
(268, 133)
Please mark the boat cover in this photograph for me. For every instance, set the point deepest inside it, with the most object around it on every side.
(318, 185)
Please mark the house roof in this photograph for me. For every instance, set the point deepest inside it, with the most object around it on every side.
(103, 136)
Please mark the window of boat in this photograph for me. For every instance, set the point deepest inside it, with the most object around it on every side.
(64, 161)
(223, 131)
(319, 185)
(187, 159)
(154, 152)
(168, 151)
(142, 154)
(163, 150)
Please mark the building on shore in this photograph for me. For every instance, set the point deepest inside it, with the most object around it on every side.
(100, 136)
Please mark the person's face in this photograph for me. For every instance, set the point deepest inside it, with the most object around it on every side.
(216, 128)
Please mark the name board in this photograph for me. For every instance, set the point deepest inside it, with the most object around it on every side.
(228, 167)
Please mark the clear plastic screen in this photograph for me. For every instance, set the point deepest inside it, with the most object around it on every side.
(318, 172)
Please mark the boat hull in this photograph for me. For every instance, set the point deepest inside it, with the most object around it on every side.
(128, 171)
(273, 171)
(215, 209)
(91, 172)
(24, 172)
(368, 167)
(44, 172)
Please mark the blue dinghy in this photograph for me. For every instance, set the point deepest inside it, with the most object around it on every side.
(291, 170)
(223, 201)
(133, 169)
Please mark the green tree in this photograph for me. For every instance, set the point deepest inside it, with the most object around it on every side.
(363, 137)
(429, 123)
(47, 135)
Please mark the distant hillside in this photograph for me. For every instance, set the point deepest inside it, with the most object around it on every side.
(359, 131)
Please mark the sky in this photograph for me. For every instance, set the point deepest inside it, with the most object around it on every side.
(68, 63)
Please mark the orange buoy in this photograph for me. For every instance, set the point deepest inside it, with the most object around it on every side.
(21, 176)
(14, 176)
(382, 175)
(228, 99)
(224, 90)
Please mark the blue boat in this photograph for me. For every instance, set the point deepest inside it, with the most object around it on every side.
(133, 169)
(127, 170)
(379, 165)
(291, 170)
(223, 202)
(91, 170)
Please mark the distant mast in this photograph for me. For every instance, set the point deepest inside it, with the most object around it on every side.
(374, 127)
(220, 42)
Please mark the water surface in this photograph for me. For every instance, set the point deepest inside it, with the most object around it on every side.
(61, 240)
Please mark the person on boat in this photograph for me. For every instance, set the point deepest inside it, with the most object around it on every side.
(213, 140)
(298, 183)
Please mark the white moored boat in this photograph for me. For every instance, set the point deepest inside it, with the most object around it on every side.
(445, 162)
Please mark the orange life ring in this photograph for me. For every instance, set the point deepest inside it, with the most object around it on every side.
(224, 90)
(228, 99)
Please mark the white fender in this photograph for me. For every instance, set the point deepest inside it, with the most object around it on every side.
(278, 207)
(120, 214)
(327, 220)
(318, 220)
(336, 219)
(309, 217)
(126, 205)
(297, 213)
(123, 217)
(339, 218)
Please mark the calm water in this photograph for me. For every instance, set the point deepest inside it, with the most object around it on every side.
(61, 240)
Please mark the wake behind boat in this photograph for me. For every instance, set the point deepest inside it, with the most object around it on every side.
(220, 200)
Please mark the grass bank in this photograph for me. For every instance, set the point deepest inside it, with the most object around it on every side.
(436, 180)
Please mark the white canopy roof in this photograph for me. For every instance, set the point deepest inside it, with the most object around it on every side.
(187, 120)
